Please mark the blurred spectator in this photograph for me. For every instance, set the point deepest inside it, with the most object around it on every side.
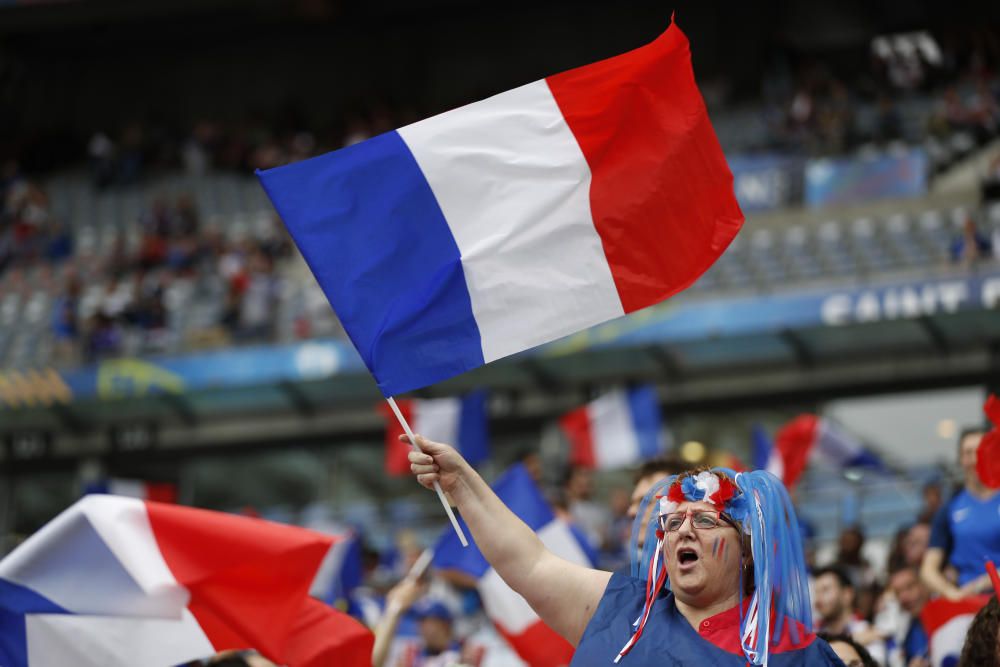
(437, 645)
(259, 299)
(847, 649)
(990, 187)
(966, 531)
(833, 597)
(971, 245)
(65, 323)
(933, 497)
(912, 594)
(889, 124)
(591, 517)
(849, 556)
(104, 337)
(101, 151)
(648, 474)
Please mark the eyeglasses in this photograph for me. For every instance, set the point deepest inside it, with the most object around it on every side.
(700, 519)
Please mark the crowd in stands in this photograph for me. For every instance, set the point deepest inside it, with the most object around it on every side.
(428, 616)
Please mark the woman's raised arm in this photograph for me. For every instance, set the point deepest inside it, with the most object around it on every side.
(563, 594)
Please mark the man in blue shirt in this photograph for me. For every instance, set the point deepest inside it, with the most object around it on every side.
(905, 583)
(966, 532)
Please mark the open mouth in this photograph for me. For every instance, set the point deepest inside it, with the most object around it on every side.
(687, 556)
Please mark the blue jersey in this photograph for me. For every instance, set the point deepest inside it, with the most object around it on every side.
(968, 530)
(668, 639)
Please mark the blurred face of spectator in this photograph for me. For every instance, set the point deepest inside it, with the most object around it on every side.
(703, 564)
(967, 454)
(580, 485)
(642, 487)
(831, 599)
(932, 496)
(851, 541)
(915, 543)
(436, 633)
(909, 590)
(619, 502)
(533, 464)
(847, 653)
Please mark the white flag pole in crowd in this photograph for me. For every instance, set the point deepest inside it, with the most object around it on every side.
(437, 487)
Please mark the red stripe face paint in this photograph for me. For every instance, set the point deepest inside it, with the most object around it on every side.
(725, 552)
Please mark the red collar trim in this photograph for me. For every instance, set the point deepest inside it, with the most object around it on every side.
(723, 630)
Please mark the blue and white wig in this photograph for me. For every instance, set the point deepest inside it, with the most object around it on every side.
(761, 506)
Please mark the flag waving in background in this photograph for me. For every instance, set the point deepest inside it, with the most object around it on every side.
(621, 428)
(536, 643)
(811, 438)
(161, 492)
(510, 222)
(118, 582)
(947, 623)
(461, 422)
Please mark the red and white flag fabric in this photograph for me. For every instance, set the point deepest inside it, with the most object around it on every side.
(161, 492)
(813, 439)
(119, 582)
(619, 429)
(461, 422)
(947, 623)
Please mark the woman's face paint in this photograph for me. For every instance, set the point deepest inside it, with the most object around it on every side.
(725, 552)
(715, 547)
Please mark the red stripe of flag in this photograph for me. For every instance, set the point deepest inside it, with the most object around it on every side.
(396, 451)
(628, 114)
(576, 426)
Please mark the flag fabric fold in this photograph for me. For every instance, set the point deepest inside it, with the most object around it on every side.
(461, 422)
(117, 581)
(536, 643)
(813, 439)
(619, 429)
(516, 220)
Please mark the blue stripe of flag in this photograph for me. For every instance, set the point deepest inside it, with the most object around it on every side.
(371, 230)
(519, 492)
(15, 602)
(473, 428)
(644, 406)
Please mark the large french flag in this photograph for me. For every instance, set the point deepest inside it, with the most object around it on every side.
(947, 623)
(117, 581)
(462, 422)
(810, 438)
(513, 221)
(536, 643)
(621, 428)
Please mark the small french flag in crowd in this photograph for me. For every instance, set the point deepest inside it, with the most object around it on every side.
(621, 428)
(516, 220)
(947, 624)
(461, 422)
(810, 438)
(536, 643)
(161, 492)
(340, 573)
(119, 582)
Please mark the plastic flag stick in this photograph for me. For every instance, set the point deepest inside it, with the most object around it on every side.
(437, 487)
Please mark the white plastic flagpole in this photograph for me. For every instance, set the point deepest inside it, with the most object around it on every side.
(437, 487)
